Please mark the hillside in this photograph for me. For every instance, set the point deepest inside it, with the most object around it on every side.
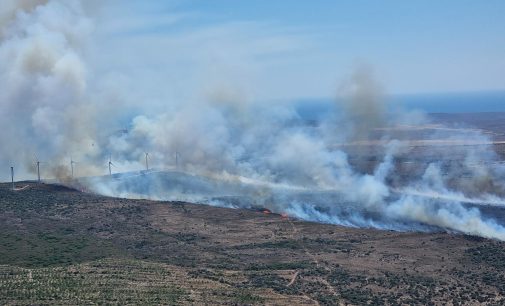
(58, 245)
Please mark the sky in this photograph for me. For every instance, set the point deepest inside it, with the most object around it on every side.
(288, 49)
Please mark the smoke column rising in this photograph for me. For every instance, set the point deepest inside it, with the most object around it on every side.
(230, 151)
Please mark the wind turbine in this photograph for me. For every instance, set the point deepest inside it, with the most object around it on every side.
(72, 162)
(12, 177)
(110, 164)
(38, 162)
(147, 162)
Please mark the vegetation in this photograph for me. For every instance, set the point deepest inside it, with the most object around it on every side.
(60, 246)
(105, 281)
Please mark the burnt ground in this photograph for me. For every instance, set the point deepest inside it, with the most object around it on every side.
(62, 246)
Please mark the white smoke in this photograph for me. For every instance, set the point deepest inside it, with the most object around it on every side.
(224, 148)
(44, 97)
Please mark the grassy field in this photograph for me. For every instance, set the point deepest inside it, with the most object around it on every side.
(61, 246)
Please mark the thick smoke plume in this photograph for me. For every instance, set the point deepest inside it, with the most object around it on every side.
(356, 167)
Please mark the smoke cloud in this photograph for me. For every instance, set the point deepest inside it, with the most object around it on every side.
(362, 166)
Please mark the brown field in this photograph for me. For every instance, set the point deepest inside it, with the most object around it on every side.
(61, 246)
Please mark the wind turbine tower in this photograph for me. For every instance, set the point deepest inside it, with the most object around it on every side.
(147, 162)
(110, 165)
(37, 162)
(72, 162)
(38, 171)
(12, 177)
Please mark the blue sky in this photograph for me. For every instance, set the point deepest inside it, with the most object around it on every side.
(287, 49)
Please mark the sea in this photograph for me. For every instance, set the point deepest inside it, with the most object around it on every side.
(462, 102)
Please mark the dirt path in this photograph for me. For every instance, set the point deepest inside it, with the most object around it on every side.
(293, 279)
(21, 188)
(315, 260)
